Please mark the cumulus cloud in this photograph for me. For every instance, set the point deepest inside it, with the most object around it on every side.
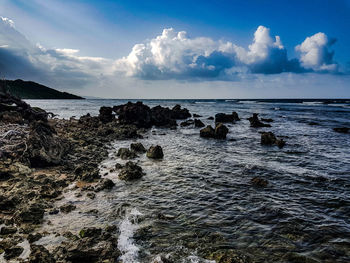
(315, 53)
(175, 55)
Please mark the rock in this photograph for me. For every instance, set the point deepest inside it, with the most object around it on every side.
(87, 173)
(268, 138)
(34, 237)
(180, 113)
(13, 252)
(198, 123)
(11, 117)
(104, 184)
(155, 152)
(341, 129)
(118, 166)
(207, 132)
(187, 123)
(134, 113)
(7, 230)
(106, 114)
(126, 154)
(90, 232)
(138, 147)
(221, 131)
(131, 171)
(229, 256)
(222, 117)
(256, 123)
(163, 117)
(210, 118)
(313, 123)
(91, 195)
(33, 214)
(257, 181)
(267, 120)
(39, 254)
(196, 115)
(67, 208)
(111, 229)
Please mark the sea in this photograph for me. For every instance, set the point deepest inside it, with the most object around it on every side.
(199, 199)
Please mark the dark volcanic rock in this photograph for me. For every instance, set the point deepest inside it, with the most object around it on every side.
(222, 117)
(198, 123)
(67, 208)
(196, 115)
(155, 152)
(207, 132)
(268, 138)
(256, 123)
(6, 230)
(221, 131)
(131, 171)
(33, 214)
(106, 114)
(134, 113)
(229, 256)
(187, 123)
(163, 117)
(126, 154)
(39, 254)
(179, 113)
(90, 232)
(210, 118)
(138, 147)
(257, 181)
(104, 184)
(267, 120)
(13, 252)
(341, 129)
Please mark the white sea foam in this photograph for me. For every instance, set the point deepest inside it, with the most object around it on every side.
(126, 244)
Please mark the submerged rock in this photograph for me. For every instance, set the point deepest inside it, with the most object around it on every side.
(125, 154)
(187, 123)
(228, 256)
(258, 181)
(256, 123)
(267, 120)
(131, 171)
(138, 147)
(341, 129)
(155, 152)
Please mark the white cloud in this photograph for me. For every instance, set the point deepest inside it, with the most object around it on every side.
(315, 54)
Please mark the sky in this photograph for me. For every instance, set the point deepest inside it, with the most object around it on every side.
(179, 49)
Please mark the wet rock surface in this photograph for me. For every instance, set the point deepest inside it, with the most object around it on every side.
(223, 117)
(256, 123)
(268, 138)
(219, 132)
(131, 171)
(155, 152)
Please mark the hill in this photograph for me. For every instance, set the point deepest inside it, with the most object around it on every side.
(32, 90)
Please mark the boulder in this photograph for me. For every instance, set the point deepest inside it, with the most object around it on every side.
(256, 123)
(138, 147)
(196, 115)
(268, 138)
(210, 118)
(198, 123)
(179, 113)
(222, 117)
(134, 113)
(221, 131)
(13, 252)
(67, 208)
(155, 152)
(106, 114)
(187, 123)
(33, 214)
(131, 171)
(90, 232)
(40, 254)
(104, 184)
(163, 117)
(207, 132)
(126, 154)
(7, 230)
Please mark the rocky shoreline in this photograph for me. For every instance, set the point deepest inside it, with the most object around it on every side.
(40, 157)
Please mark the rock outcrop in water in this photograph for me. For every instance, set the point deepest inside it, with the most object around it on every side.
(341, 129)
(222, 117)
(125, 154)
(219, 132)
(256, 123)
(131, 171)
(268, 138)
(155, 152)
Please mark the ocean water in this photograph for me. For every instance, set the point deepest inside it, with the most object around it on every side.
(199, 198)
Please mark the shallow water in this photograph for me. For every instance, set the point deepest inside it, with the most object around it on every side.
(199, 197)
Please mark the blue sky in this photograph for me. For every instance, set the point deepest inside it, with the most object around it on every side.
(229, 49)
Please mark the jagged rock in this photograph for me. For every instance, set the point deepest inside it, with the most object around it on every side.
(210, 118)
(207, 132)
(221, 131)
(39, 254)
(90, 232)
(198, 123)
(131, 171)
(256, 123)
(138, 147)
(134, 113)
(67, 208)
(33, 214)
(222, 117)
(87, 173)
(228, 256)
(179, 113)
(266, 120)
(257, 181)
(187, 123)
(7, 230)
(341, 129)
(196, 115)
(155, 152)
(106, 114)
(163, 117)
(104, 184)
(34, 237)
(13, 252)
(268, 138)
(125, 154)
(44, 147)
